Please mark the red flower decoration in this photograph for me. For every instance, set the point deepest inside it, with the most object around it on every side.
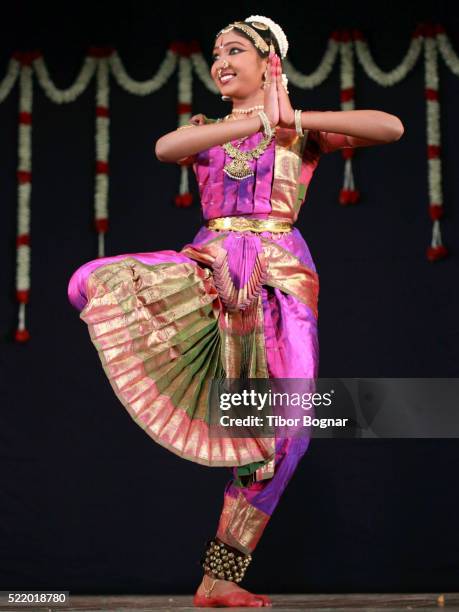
(348, 153)
(438, 252)
(435, 212)
(354, 196)
(349, 196)
(22, 296)
(183, 200)
(101, 225)
(22, 335)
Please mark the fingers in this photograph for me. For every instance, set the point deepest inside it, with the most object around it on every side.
(271, 75)
(278, 69)
(198, 119)
(275, 69)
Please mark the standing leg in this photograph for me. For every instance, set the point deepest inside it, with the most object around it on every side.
(292, 352)
(247, 510)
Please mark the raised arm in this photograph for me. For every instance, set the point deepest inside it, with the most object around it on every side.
(180, 143)
(354, 128)
(184, 143)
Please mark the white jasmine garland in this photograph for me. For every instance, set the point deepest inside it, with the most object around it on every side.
(447, 52)
(319, 75)
(24, 192)
(397, 74)
(433, 44)
(102, 145)
(9, 80)
(203, 71)
(70, 94)
(275, 28)
(433, 134)
(143, 88)
(185, 97)
(347, 77)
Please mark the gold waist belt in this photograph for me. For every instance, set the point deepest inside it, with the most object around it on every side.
(245, 224)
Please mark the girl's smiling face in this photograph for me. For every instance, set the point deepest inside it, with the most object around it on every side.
(244, 69)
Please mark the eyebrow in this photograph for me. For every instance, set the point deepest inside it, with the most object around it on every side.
(231, 42)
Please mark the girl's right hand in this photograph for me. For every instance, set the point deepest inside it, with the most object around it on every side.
(271, 101)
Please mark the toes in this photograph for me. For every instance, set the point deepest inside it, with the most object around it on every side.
(265, 599)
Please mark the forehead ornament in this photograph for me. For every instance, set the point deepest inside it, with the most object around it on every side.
(253, 34)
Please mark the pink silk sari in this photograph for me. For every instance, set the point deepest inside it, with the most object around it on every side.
(231, 304)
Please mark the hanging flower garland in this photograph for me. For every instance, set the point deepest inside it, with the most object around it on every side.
(100, 62)
(12, 74)
(348, 193)
(400, 72)
(149, 86)
(24, 178)
(436, 250)
(428, 38)
(61, 96)
(185, 93)
(323, 70)
(102, 145)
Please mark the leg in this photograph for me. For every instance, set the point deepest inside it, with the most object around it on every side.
(292, 352)
(247, 510)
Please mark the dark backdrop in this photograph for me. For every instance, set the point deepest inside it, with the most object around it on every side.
(88, 502)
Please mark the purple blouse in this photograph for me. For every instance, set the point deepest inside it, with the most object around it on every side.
(277, 189)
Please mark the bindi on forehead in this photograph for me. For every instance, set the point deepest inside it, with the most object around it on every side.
(230, 42)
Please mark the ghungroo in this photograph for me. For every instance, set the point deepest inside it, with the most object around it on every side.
(220, 560)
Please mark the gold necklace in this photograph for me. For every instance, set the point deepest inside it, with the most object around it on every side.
(239, 168)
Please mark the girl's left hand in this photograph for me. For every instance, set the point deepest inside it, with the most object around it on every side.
(286, 112)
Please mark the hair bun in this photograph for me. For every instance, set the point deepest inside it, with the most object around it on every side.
(276, 30)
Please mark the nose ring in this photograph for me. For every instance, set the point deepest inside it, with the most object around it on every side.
(225, 65)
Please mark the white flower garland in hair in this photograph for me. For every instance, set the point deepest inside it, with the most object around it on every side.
(278, 32)
(280, 37)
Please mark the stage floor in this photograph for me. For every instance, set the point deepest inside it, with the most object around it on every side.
(390, 602)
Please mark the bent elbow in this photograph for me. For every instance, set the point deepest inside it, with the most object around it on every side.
(159, 151)
(399, 129)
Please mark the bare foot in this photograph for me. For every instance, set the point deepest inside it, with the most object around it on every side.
(228, 594)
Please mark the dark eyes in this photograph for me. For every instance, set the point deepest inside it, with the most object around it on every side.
(215, 57)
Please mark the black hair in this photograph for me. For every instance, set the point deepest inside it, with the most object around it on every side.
(266, 35)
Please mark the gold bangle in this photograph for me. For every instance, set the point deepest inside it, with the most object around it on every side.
(183, 127)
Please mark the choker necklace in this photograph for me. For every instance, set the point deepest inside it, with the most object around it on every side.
(244, 111)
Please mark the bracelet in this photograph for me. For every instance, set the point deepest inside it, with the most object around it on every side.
(298, 126)
(267, 129)
(183, 127)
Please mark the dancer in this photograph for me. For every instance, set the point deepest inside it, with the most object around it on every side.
(240, 301)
